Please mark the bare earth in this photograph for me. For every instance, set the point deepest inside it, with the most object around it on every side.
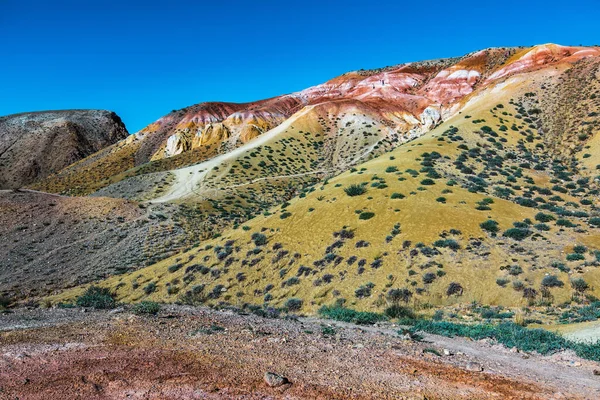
(198, 353)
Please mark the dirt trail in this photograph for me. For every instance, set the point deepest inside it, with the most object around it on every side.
(198, 353)
(188, 179)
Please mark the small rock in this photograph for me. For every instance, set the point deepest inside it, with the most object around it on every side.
(596, 372)
(474, 367)
(447, 352)
(117, 310)
(274, 380)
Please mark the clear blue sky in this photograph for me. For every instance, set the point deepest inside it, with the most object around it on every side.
(143, 59)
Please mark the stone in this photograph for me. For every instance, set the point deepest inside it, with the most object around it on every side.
(474, 367)
(275, 380)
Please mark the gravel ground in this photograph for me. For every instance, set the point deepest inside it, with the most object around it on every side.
(198, 353)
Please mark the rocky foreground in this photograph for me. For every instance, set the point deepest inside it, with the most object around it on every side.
(197, 353)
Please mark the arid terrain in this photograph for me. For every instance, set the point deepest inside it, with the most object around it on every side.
(198, 353)
(424, 230)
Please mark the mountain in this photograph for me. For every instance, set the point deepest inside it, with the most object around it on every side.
(456, 181)
(392, 104)
(35, 145)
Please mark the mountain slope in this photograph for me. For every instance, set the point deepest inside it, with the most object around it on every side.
(497, 205)
(35, 145)
(408, 99)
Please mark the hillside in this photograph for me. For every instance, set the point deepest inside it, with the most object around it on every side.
(496, 202)
(38, 144)
(393, 104)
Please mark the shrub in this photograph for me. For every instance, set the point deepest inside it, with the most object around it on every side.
(565, 222)
(293, 304)
(397, 295)
(542, 227)
(454, 288)
(259, 239)
(511, 335)
(541, 217)
(97, 297)
(355, 190)
(391, 169)
(595, 221)
(515, 270)
(396, 311)
(364, 291)
(339, 313)
(366, 215)
(551, 281)
(427, 182)
(579, 284)
(401, 196)
(579, 249)
(517, 233)
(146, 307)
(575, 257)
(175, 267)
(490, 225)
(449, 243)
(150, 288)
(429, 277)
(502, 281)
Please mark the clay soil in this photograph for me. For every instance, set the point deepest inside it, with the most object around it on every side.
(198, 353)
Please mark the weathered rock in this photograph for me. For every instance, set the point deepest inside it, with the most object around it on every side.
(474, 367)
(35, 145)
(275, 380)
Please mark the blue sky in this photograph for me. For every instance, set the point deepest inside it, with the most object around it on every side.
(143, 59)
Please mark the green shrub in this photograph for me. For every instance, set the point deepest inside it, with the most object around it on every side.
(97, 297)
(490, 225)
(259, 239)
(454, 288)
(517, 233)
(449, 243)
(511, 335)
(397, 311)
(355, 190)
(429, 277)
(348, 315)
(565, 222)
(502, 281)
(544, 217)
(551, 281)
(575, 257)
(401, 196)
(427, 182)
(150, 288)
(366, 215)
(146, 307)
(293, 304)
(595, 221)
(579, 284)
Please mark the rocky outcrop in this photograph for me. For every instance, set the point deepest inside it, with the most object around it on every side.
(35, 145)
